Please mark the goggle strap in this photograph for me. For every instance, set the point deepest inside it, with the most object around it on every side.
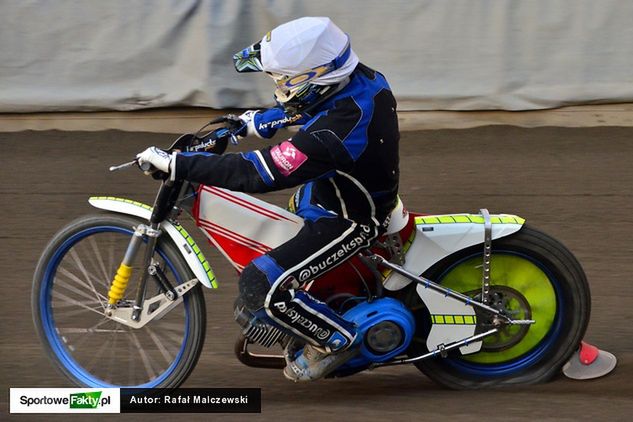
(338, 62)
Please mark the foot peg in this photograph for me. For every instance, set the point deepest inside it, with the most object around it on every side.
(313, 364)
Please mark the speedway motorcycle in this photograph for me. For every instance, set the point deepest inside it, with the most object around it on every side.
(472, 300)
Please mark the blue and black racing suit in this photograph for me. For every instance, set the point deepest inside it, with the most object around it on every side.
(345, 158)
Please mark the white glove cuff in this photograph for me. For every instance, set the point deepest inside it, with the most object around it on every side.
(252, 130)
(248, 117)
(172, 166)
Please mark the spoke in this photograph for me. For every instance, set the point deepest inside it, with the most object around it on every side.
(79, 264)
(58, 305)
(97, 356)
(161, 348)
(59, 282)
(101, 282)
(66, 299)
(78, 280)
(146, 361)
(111, 263)
(177, 339)
(83, 339)
(74, 311)
(87, 330)
(171, 326)
(131, 367)
(115, 352)
(97, 255)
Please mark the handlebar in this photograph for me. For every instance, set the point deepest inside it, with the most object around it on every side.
(123, 166)
(184, 142)
(144, 166)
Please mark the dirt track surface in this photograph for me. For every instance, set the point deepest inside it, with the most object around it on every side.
(574, 184)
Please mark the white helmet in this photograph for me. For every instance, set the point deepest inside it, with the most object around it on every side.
(306, 57)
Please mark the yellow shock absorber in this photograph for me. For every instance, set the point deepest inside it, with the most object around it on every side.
(117, 289)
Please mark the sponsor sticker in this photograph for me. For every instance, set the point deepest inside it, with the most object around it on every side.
(300, 320)
(276, 124)
(65, 400)
(287, 158)
(343, 251)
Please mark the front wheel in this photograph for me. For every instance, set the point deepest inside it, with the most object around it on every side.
(533, 276)
(69, 296)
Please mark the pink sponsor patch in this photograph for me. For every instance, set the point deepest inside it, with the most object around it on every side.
(287, 158)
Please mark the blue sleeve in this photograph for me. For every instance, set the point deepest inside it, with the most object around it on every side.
(267, 122)
(287, 164)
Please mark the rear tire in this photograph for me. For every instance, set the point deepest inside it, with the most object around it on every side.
(540, 280)
(70, 289)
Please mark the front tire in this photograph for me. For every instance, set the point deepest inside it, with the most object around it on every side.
(70, 289)
(534, 277)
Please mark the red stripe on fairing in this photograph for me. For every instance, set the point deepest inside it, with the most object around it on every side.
(239, 255)
(236, 235)
(253, 244)
(245, 204)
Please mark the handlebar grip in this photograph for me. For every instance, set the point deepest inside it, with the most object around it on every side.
(145, 166)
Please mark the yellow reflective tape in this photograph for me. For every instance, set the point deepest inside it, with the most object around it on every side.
(454, 319)
(198, 253)
(427, 220)
(469, 218)
(476, 219)
(461, 219)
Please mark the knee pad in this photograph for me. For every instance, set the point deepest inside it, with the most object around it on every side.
(254, 287)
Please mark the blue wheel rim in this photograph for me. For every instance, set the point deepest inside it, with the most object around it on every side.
(514, 366)
(48, 324)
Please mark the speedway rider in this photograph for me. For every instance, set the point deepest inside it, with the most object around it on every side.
(345, 160)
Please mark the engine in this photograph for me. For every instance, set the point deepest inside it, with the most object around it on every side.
(386, 327)
(256, 330)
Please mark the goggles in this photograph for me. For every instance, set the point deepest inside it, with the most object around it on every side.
(249, 60)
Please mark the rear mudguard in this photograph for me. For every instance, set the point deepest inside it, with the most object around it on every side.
(186, 245)
(438, 236)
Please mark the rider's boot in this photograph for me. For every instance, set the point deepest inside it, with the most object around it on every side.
(315, 362)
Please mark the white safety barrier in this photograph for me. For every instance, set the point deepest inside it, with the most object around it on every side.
(437, 55)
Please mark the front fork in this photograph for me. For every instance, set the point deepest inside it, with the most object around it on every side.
(124, 272)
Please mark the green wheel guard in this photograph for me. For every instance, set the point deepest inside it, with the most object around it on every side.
(527, 284)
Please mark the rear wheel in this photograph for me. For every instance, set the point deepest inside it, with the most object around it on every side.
(70, 290)
(533, 276)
